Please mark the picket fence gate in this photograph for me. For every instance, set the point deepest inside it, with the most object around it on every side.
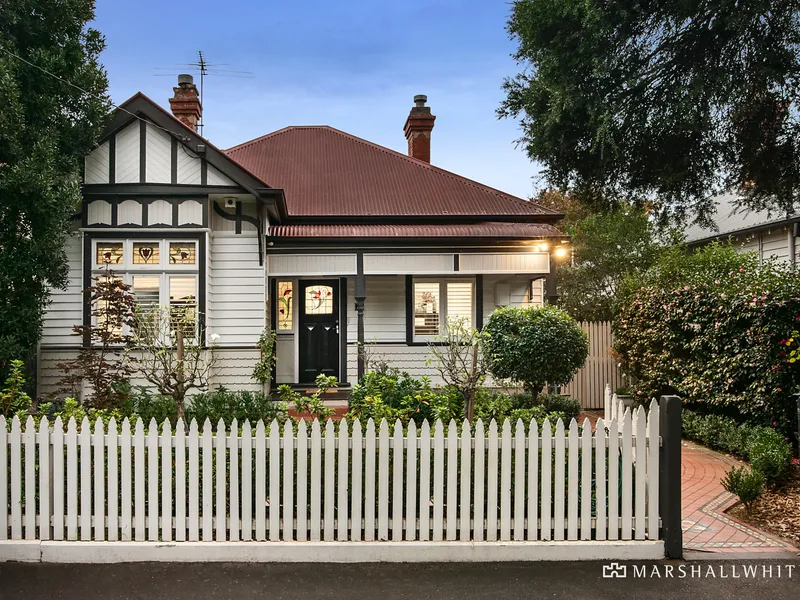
(520, 482)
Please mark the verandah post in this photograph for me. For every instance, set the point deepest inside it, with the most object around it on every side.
(670, 476)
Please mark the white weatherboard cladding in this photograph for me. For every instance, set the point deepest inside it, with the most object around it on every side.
(511, 262)
(288, 265)
(237, 290)
(188, 166)
(234, 369)
(412, 359)
(129, 212)
(190, 212)
(66, 306)
(98, 213)
(159, 213)
(215, 177)
(408, 264)
(96, 165)
(158, 159)
(126, 161)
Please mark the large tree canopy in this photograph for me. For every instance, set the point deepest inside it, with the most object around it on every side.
(46, 127)
(667, 101)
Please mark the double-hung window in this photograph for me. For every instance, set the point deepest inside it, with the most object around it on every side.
(160, 272)
(436, 301)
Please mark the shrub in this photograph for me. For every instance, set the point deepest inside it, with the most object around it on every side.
(229, 405)
(13, 399)
(570, 407)
(147, 405)
(748, 484)
(770, 454)
(534, 346)
(395, 395)
(712, 326)
(493, 405)
(309, 407)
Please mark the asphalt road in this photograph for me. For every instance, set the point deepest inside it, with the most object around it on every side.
(580, 580)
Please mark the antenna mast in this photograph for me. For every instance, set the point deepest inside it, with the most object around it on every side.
(203, 68)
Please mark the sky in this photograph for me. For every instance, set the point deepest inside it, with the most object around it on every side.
(351, 64)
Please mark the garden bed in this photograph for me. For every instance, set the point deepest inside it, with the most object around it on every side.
(777, 511)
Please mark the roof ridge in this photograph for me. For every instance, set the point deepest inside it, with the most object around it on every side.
(414, 161)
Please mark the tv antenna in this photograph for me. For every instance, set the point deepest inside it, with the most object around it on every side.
(203, 68)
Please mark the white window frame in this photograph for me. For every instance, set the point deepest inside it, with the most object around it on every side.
(443, 314)
(126, 270)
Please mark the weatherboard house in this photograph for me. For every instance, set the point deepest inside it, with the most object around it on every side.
(332, 241)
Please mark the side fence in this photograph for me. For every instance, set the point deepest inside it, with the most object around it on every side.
(601, 367)
(518, 482)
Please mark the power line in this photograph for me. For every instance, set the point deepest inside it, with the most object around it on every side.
(80, 89)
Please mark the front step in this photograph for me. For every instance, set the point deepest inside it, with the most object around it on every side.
(335, 398)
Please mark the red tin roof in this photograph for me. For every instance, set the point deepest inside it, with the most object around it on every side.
(494, 230)
(325, 172)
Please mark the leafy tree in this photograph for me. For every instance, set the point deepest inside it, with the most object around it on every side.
(46, 128)
(606, 249)
(534, 346)
(669, 101)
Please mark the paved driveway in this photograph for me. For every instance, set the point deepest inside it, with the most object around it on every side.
(706, 526)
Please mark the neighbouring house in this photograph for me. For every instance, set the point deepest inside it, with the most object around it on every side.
(332, 241)
(769, 235)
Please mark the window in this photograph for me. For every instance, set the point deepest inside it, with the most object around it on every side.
(160, 272)
(438, 301)
(285, 304)
(319, 300)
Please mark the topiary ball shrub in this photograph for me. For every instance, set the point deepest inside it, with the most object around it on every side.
(534, 347)
(770, 454)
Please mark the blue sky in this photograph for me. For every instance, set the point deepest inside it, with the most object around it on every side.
(354, 65)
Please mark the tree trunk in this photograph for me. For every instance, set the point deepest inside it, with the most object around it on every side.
(470, 399)
(179, 371)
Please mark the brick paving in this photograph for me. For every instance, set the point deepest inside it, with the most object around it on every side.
(706, 526)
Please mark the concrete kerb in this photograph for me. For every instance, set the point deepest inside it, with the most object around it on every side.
(333, 552)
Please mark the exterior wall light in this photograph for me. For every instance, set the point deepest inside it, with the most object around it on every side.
(561, 252)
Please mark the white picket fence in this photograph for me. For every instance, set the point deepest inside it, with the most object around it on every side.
(521, 482)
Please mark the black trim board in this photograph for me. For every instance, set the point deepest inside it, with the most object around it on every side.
(273, 321)
(158, 189)
(409, 309)
(342, 330)
(479, 302)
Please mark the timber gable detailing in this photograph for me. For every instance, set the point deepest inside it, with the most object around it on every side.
(142, 213)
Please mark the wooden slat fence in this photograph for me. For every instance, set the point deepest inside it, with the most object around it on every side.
(601, 367)
(327, 481)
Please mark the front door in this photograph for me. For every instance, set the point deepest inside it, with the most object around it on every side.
(319, 329)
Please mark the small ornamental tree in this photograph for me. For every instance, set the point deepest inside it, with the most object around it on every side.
(534, 347)
(167, 350)
(459, 359)
(99, 362)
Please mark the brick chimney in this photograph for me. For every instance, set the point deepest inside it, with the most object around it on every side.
(418, 127)
(185, 104)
